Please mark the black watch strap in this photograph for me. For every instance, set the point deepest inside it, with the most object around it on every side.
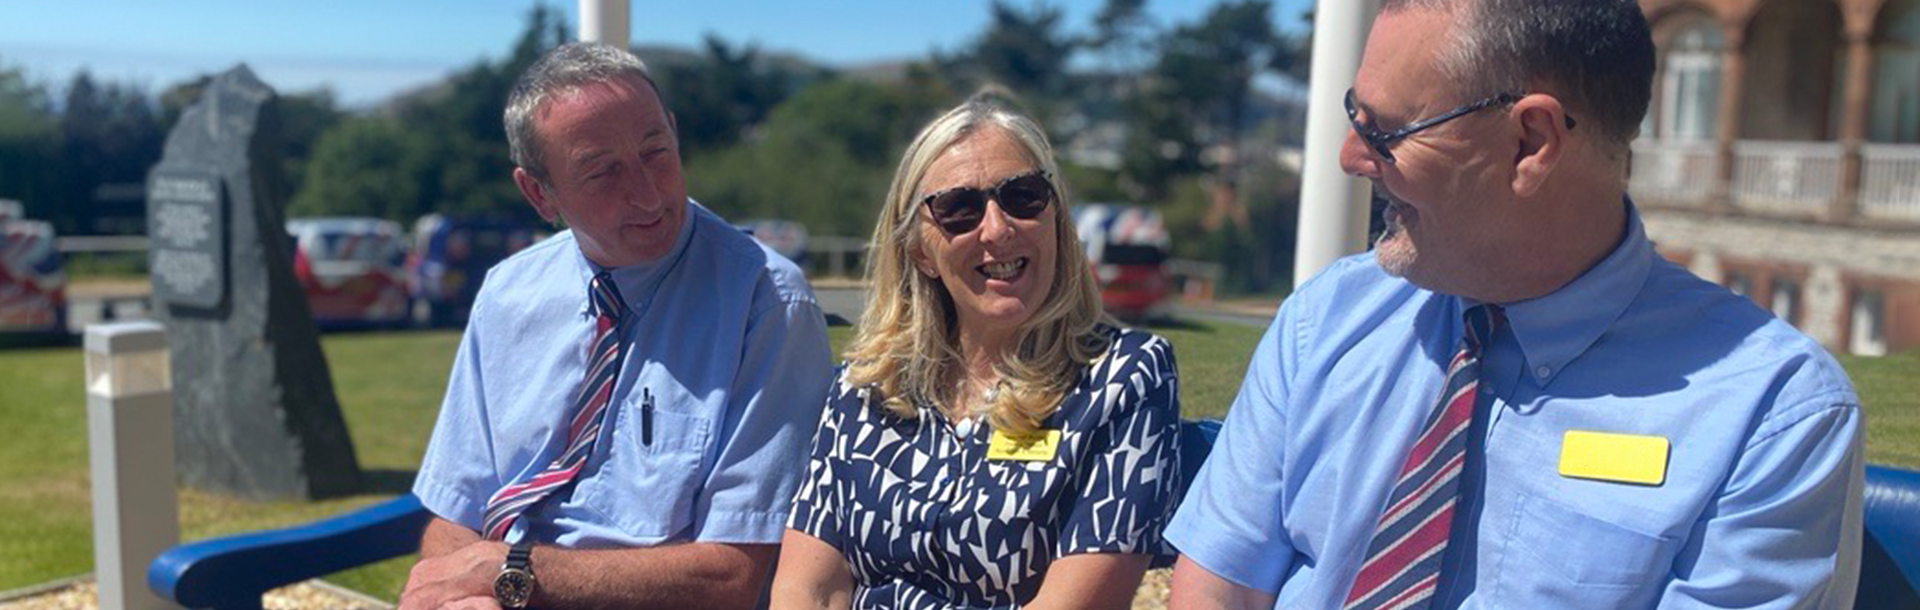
(520, 555)
(515, 585)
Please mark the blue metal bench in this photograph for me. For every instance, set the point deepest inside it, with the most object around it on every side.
(231, 573)
(1890, 555)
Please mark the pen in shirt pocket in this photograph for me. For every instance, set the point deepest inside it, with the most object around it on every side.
(646, 417)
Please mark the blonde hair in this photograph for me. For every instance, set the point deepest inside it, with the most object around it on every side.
(907, 345)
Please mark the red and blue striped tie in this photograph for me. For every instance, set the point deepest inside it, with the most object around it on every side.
(589, 410)
(1402, 569)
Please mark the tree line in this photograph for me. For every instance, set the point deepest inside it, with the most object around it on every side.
(1166, 115)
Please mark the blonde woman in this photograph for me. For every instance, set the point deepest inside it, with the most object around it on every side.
(991, 443)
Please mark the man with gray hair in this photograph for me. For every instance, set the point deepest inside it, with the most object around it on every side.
(1513, 401)
(627, 417)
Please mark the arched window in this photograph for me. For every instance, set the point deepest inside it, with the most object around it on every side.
(1690, 81)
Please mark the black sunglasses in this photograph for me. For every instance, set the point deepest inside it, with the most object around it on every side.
(1381, 142)
(959, 210)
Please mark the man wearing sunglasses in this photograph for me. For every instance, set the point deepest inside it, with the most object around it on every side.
(627, 417)
(1513, 401)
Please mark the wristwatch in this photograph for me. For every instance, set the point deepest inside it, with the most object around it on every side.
(513, 588)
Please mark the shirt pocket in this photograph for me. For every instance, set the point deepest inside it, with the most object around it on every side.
(647, 489)
(1560, 557)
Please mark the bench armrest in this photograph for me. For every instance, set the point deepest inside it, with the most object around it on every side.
(233, 571)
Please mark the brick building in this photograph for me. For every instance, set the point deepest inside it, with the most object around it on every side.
(1781, 157)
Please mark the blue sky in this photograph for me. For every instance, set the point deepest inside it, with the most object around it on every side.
(369, 49)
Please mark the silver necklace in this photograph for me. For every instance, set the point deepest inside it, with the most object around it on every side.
(967, 425)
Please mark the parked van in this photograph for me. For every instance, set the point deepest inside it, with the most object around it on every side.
(352, 270)
(451, 255)
(1127, 247)
(33, 286)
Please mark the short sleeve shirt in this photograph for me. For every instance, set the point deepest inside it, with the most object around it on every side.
(722, 333)
(926, 519)
(1759, 501)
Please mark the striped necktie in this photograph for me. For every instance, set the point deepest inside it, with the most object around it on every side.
(1402, 569)
(589, 410)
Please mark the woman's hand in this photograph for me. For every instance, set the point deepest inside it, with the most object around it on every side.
(811, 575)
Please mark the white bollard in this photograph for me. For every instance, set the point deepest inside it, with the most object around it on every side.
(604, 21)
(130, 444)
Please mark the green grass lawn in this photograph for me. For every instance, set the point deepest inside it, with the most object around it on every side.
(390, 386)
(1889, 390)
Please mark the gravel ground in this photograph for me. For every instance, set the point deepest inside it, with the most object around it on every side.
(307, 596)
(303, 596)
(1153, 590)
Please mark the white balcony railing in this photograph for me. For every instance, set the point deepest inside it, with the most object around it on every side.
(1890, 181)
(1797, 178)
(1674, 172)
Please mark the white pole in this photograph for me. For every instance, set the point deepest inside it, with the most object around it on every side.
(1333, 205)
(604, 21)
(130, 445)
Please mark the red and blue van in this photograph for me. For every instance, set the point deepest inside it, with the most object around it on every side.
(352, 270)
(451, 255)
(1127, 247)
(33, 285)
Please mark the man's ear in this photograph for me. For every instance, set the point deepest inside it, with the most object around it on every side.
(1543, 131)
(536, 194)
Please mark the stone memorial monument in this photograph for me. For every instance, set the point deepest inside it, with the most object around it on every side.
(256, 413)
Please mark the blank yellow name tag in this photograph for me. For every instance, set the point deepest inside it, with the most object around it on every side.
(1030, 447)
(1606, 456)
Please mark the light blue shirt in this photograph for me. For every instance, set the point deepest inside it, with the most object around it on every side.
(1761, 502)
(726, 336)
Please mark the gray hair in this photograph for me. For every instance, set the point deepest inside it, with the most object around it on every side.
(1596, 55)
(563, 70)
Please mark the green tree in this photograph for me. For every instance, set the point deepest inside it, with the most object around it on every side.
(823, 158)
(1206, 69)
(303, 118)
(726, 91)
(1196, 142)
(363, 167)
(448, 143)
(31, 159)
(111, 136)
(1123, 33)
(1026, 50)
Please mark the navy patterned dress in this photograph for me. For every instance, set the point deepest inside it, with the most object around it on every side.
(927, 520)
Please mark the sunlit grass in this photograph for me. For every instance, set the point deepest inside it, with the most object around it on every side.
(390, 387)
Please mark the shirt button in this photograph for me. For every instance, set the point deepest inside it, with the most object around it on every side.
(1542, 372)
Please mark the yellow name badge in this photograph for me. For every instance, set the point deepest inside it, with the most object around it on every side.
(1035, 446)
(1606, 456)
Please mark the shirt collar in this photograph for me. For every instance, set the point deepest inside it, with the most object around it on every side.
(636, 280)
(1555, 329)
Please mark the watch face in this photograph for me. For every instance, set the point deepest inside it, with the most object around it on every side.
(513, 588)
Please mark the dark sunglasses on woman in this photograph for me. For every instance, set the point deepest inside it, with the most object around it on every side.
(959, 210)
